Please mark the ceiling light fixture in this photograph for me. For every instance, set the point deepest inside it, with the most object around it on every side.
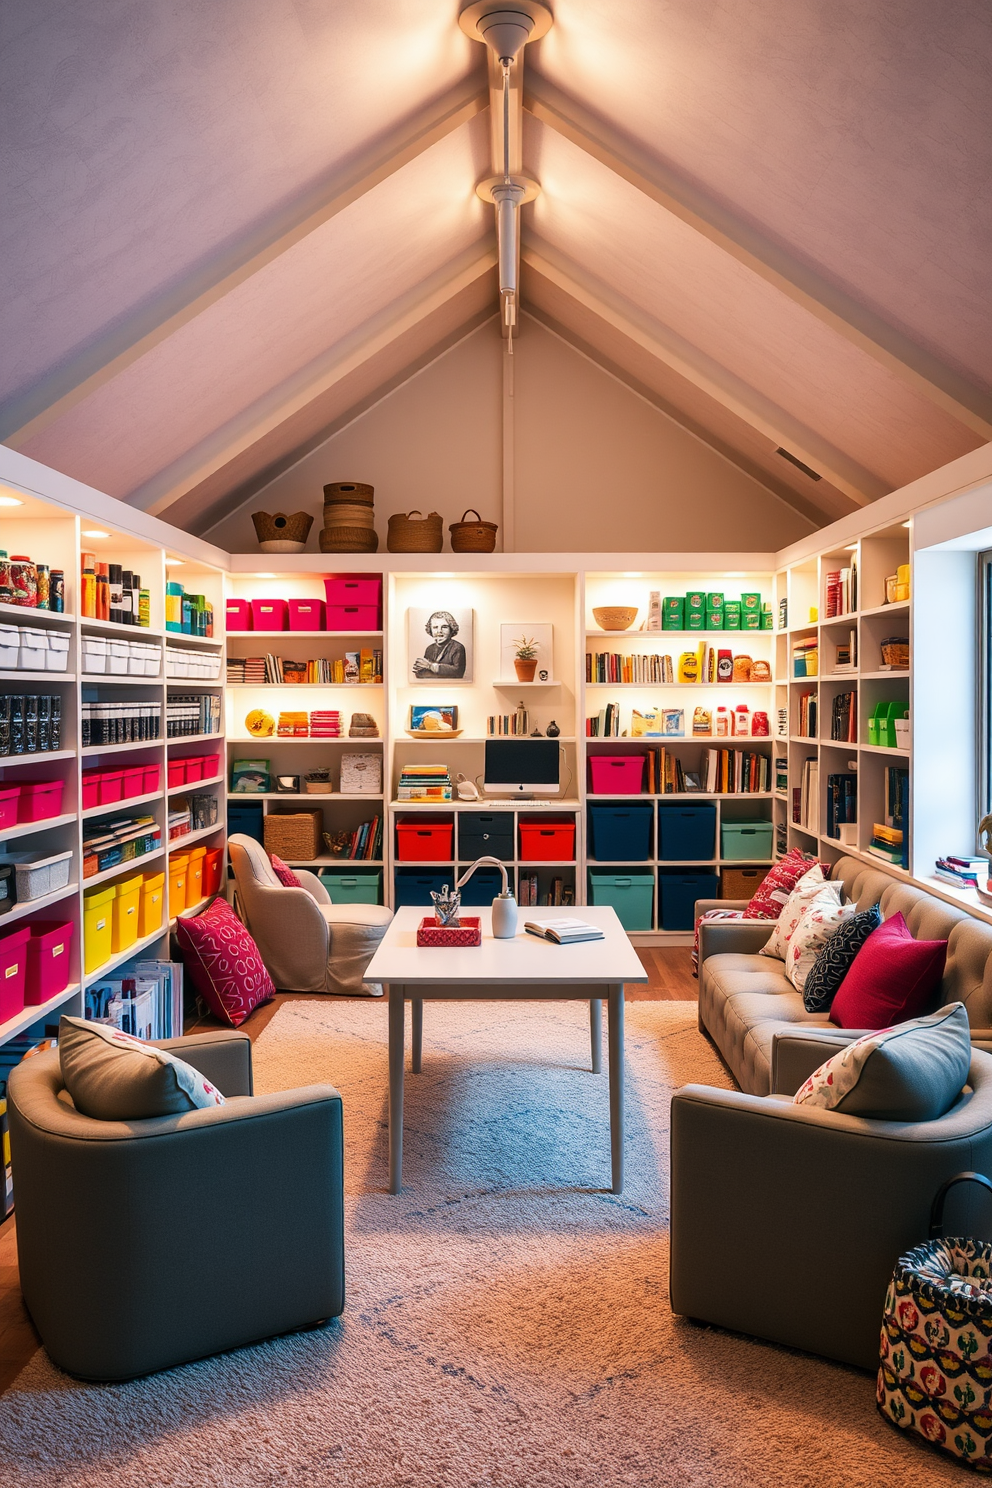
(174, 563)
(94, 532)
(10, 501)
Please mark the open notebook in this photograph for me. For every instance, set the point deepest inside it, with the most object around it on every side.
(563, 932)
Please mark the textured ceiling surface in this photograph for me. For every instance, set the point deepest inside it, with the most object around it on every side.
(225, 225)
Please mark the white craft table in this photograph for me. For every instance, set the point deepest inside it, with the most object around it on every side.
(523, 969)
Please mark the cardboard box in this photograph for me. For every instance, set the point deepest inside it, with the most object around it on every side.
(751, 602)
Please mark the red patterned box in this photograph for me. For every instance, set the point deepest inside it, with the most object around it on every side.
(468, 933)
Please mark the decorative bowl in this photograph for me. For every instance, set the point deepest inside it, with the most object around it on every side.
(434, 733)
(615, 617)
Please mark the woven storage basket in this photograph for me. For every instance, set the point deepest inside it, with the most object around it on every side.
(295, 834)
(741, 883)
(349, 540)
(352, 493)
(412, 532)
(318, 787)
(895, 652)
(473, 537)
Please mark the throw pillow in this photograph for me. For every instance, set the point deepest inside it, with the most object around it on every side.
(835, 958)
(820, 922)
(224, 963)
(771, 895)
(913, 1072)
(284, 873)
(806, 890)
(113, 1076)
(893, 976)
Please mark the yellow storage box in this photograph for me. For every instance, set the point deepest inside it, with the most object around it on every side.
(98, 926)
(126, 913)
(194, 876)
(178, 864)
(152, 904)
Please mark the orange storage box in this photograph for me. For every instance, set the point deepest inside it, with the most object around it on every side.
(178, 864)
(547, 841)
(152, 904)
(194, 876)
(213, 870)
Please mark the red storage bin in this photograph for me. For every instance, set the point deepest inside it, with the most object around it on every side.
(91, 788)
(238, 614)
(177, 773)
(213, 869)
(13, 972)
(39, 799)
(132, 782)
(194, 768)
(111, 786)
(8, 804)
(422, 841)
(348, 589)
(353, 617)
(47, 960)
(617, 774)
(547, 841)
(269, 614)
(151, 778)
(306, 614)
(211, 766)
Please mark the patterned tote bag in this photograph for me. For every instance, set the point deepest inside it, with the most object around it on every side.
(935, 1371)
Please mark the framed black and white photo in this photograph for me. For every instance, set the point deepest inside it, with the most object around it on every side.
(440, 645)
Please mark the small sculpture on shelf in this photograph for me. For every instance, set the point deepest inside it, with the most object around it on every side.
(553, 730)
(447, 904)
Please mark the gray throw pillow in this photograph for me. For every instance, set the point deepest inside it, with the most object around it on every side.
(112, 1076)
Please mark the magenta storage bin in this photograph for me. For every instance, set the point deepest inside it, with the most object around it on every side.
(306, 614)
(8, 804)
(151, 778)
(177, 773)
(194, 768)
(211, 766)
(269, 614)
(357, 590)
(91, 789)
(238, 614)
(111, 786)
(132, 782)
(47, 960)
(39, 799)
(617, 774)
(13, 972)
(353, 617)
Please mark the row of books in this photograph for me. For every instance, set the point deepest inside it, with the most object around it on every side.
(806, 797)
(842, 801)
(844, 717)
(807, 715)
(366, 841)
(146, 1001)
(528, 893)
(119, 839)
(424, 783)
(613, 666)
(508, 725)
(736, 771)
(841, 591)
(189, 714)
(354, 666)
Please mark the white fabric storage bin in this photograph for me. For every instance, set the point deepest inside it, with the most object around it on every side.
(37, 876)
(58, 651)
(135, 659)
(153, 659)
(117, 657)
(33, 649)
(94, 653)
(10, 644)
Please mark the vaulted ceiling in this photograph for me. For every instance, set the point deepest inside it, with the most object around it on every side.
(226, 225)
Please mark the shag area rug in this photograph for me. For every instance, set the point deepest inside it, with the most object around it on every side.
(507, 1321)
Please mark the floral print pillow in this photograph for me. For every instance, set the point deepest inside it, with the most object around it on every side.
(821, 920)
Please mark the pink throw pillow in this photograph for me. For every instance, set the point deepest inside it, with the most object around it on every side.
(778, 883)
(892, 978)
(284, 873)
(224, 963)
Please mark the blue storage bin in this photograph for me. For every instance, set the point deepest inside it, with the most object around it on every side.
(245, 817)
(415, 885)
(482, 887)
(687, 834)
(619, 833)
(677, 895)
(631, 895)
(485, 834)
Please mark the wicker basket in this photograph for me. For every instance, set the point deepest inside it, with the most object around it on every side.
(473, 537)
(319, 787)
(349, 540)
(351, 493)
(412, 532)
(295, 834)
(895, 652)
(741, 883)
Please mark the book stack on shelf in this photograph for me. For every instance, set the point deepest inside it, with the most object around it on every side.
(805, 797)
(528, 893)
(148, 1002)
(736, 772)
(841, 591)
(890, 839)
(806, 657)
(964, 872)
(844, 717)
(424, 783)
(842, 801)
(808, 706)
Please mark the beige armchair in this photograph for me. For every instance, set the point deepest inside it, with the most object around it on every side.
(307, 943)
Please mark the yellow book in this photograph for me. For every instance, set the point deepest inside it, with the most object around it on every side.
(366, 667)
(339, 670)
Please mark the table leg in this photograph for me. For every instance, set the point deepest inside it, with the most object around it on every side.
(615, 1016)
(397, 1020)
(417, 1018)
(596, 1033)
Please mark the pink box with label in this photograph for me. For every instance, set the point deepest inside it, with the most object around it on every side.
(47, 960)
(348, 589)
(362, 618)
(306, 614)
(269, 614)
(238, 614)
(132, 782)
(617, 774)
(39, 800)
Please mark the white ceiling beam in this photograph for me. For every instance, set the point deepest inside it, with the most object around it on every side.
(267, 413)
(913, 365)
(715, 380)
(148, 325)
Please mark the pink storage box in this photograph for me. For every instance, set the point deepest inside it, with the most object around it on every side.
(211, 766)
(177, 773)
(48, 960)
(306, 614)
(151, 778)
(132, 782)
(8, 804)
(111, 786)
(39, 799)
(617, 774)
(353, 617)
(194, 768)
(269, 614)
(13, 972)
(238, 614)
(91, 789)
(344, 589)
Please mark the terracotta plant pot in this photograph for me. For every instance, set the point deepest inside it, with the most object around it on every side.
(525, 669)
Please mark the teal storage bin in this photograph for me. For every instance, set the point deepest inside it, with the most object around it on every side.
(353, 888)
(631, 895)
(746, 841)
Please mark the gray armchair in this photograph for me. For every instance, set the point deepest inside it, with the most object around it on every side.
(788, 1220)
(146, 1244)
(307, 943)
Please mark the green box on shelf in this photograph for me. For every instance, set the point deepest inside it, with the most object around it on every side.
(714, 601)
(882, 723)
(746, 841)
(695, 620)
(751, 602)
(732, 614)
(630, 894)
(715, 620)
(352, 888)
(673, 614)
(751, 620)
(695, 600)
(767, 620)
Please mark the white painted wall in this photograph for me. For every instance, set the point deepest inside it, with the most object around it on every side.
(596, 467)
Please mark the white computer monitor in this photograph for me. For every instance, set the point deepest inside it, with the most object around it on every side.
(521, 767)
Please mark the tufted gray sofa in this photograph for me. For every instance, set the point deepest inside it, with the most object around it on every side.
(745, 999)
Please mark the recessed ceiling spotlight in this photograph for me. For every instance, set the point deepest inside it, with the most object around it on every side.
(10, 501)
(265, 576)
(94, 532)
(175, 563)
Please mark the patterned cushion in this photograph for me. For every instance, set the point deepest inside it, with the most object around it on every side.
(806, 890)
(821, 921)
(284, 873)
(768, 900)
(711, 914)
(113, 1076)
(224, 963)
(835, 958)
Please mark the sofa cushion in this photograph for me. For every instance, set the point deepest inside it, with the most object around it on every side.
(835, 958)
(778, 883)
(112, 1076)
(284, 873)
(820, 922)
(892, 977)
(806, 890)
(912, 1072)
(743, 1002)
(224, 963)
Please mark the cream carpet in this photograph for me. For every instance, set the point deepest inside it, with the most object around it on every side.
(507, 1323)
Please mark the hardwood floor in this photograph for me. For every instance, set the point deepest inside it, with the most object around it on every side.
(670, 979)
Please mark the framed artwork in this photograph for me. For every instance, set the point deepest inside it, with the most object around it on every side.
(440, 645)
(514, 633)
(426, 718)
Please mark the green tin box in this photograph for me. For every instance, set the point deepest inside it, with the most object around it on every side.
(673, 613)
(751, 602)
(695, 600)
(751, 620)
(715, 620)
(714, 601)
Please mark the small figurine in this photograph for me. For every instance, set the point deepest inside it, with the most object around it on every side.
(536, 734)
(553, 730)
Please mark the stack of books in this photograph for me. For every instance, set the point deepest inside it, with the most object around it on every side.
(844, 717)
(963, 872)
(254, 670)
(235, 670)
(147, 1001)
(842, 801)
(424, 783)
(118, 840)
(292, 726)
(887, 843)
(325, 723)
(805, 657)
(842, 587)
(807, 715)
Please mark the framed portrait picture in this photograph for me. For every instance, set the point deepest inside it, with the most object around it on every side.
(441, 645)
(537, 637)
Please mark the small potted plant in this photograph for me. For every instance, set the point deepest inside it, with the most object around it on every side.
(525, 659)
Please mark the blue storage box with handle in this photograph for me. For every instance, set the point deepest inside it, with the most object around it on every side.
(352, 888)
(677, 895)
(631, 895)
(415, 885)
(620, 834)
(245, 817)
(687, 834)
